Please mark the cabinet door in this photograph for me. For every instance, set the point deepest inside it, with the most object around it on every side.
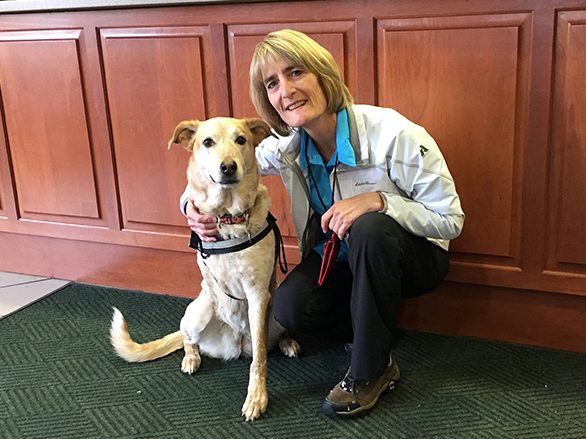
(47, 128)
(339, 37)
(566, 246)
(155, 77)
(465, 80)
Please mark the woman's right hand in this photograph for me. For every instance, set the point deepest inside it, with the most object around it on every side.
(204, 225)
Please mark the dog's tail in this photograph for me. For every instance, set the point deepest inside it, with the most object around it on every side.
(133, 352)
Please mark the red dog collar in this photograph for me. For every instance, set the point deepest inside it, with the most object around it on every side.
(233, 219)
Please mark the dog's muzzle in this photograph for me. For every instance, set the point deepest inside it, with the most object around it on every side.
(228, 174)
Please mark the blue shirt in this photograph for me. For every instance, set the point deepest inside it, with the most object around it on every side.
(321, 195)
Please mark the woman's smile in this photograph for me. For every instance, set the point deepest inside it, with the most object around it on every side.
(296, 105)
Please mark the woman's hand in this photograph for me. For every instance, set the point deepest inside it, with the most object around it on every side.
(204, 225)
(340, 217)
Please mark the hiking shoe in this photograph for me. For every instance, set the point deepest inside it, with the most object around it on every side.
(351, 397)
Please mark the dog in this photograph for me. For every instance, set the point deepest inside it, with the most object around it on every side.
(232, 314)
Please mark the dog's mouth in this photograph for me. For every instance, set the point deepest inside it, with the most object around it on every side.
(225, 180)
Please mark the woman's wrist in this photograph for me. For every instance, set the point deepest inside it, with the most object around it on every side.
(383, 202)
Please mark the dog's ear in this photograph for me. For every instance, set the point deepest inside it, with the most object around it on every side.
(183, 134)
(260, 129)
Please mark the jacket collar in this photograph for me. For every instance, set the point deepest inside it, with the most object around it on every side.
(358, 135)
(357, 138)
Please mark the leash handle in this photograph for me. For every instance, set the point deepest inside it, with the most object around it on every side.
(331, 250)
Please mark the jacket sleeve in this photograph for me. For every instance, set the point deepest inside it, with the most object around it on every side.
(267, 154)
(183, 201)
(429, 205)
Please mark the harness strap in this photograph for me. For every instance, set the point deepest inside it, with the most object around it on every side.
(236, 244)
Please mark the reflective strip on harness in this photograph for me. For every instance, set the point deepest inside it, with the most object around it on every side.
(236, 244)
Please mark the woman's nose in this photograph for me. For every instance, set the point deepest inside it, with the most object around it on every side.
(287, 88)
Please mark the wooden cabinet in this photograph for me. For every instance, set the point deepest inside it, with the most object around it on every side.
(89, 99)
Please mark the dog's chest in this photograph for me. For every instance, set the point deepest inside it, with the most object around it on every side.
(227, 276)
(242, 274)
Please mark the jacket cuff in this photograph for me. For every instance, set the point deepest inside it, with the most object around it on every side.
(383, 197)
(183, 206)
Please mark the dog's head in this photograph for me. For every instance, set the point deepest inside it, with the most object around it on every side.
(222, 148)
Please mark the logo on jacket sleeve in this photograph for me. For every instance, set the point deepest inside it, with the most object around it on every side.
(423, 150)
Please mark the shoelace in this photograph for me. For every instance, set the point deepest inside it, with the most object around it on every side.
(349, 384)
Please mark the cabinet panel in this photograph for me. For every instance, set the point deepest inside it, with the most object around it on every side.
(46, 125)
(465, 79)
(498, 84)
(567, 196)
(155, 77)
(338, 37)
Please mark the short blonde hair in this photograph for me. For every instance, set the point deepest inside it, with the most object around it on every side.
(299, 50)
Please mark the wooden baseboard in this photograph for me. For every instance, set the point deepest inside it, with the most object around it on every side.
(518, 316)
(535, 318)
(137, 268)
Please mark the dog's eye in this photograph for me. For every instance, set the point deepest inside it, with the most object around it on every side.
(240, 140)
(208, 142)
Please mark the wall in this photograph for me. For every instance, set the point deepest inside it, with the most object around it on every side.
(88, 190)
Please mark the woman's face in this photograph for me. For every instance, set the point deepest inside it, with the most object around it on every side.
(295, 93)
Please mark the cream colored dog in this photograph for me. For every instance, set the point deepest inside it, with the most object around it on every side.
(232, 313)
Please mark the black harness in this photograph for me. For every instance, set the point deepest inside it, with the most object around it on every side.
(206, 249)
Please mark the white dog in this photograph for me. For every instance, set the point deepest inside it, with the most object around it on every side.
(232, 314)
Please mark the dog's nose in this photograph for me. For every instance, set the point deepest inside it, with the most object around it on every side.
(228, 168)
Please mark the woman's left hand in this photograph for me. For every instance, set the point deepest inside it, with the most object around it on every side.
(340, 217)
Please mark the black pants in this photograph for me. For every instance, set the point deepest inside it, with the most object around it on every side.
(358, 302)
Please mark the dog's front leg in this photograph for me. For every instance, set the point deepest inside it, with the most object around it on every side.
(257, 398)
(192, 359)
(197, 316)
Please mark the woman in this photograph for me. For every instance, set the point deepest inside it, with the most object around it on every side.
(365, 174)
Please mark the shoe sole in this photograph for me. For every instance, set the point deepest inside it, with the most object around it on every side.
(329, 410)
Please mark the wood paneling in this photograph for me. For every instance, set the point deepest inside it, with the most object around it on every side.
(528, 317)
(464, 79)
(516, 316)
(47, 126)
(155, 77)
(567, 192)
(148, 269)
(89, 99)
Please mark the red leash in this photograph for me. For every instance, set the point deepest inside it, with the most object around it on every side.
(331, 250)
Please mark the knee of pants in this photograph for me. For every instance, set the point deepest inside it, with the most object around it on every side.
(291, 311)
(374, 233)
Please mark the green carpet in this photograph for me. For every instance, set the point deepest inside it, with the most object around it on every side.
(60, 379)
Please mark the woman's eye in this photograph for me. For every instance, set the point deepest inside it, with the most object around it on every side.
(297, 72)
(240, 140)
(208, 142)
(270, 85)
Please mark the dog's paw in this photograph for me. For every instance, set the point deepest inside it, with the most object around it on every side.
(289, 347)
(190, 364)
(255, 405)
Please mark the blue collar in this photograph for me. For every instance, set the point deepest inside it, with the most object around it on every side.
(344, 150)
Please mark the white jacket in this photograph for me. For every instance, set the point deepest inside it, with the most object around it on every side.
(393, 156)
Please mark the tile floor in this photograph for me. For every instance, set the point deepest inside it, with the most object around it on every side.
(20, 290)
